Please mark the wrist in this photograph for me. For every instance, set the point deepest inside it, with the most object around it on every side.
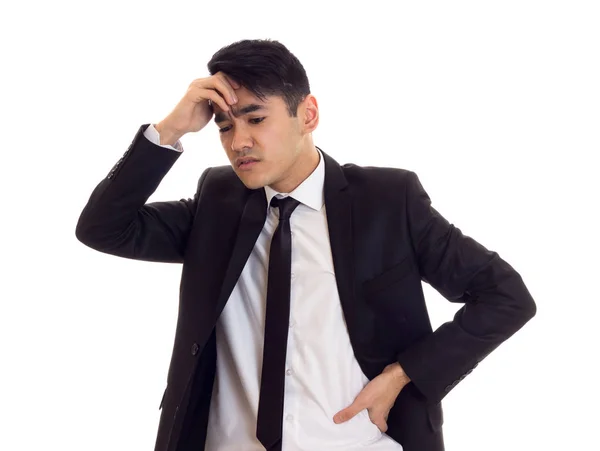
(397, 373)
(168, 135)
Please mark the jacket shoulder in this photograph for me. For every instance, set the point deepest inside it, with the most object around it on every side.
(222, 179)
(365, 177)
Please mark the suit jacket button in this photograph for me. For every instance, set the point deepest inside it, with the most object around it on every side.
(195, 348)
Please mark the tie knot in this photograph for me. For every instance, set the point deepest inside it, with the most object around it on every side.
(286, 206)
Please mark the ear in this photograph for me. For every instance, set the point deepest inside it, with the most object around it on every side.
(309, 110)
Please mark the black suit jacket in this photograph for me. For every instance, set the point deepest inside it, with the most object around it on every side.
(386, 239)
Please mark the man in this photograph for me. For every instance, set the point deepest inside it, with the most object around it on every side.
(302, 323)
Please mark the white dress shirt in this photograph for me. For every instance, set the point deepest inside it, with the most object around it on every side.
(322, 375)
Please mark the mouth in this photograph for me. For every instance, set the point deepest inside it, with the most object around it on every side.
(246, 164)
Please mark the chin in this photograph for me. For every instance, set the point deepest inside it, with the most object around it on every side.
(251, 182)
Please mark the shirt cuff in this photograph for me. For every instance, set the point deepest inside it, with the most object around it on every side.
(154, 137)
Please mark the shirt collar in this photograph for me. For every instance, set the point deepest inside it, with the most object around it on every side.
(310, 191)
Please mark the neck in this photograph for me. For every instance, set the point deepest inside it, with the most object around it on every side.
(307, 162)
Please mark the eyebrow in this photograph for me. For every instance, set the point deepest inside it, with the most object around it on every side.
(222, 117)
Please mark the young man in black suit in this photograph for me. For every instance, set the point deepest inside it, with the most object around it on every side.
(302, 322)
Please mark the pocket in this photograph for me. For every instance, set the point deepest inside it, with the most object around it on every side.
(387, 278)
(375, 435)
(390, 293)
(366, 431)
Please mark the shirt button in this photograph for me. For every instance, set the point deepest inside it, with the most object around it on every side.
(289, 417)
(293, 276)
(292, 323)
(289, 371)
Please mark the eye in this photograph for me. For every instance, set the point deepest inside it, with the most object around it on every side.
(256, 120)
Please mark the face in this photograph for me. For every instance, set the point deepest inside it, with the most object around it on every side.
(280, 146)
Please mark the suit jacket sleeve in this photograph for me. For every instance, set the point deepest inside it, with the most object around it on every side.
(496, 301)
(117, 220)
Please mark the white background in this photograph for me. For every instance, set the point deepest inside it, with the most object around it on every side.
(495, 105)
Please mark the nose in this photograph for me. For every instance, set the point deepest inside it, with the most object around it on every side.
(240, 139)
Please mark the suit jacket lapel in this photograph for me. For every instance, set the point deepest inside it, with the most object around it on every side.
(251, 224)
(338, 205)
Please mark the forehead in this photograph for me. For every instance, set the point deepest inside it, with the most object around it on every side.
(247, 103)
(238, 110)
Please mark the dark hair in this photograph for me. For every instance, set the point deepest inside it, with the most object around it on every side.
(265, 67)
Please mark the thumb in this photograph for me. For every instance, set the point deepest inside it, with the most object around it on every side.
(347, 413)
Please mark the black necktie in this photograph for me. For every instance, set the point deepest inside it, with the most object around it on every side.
(270, 406)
